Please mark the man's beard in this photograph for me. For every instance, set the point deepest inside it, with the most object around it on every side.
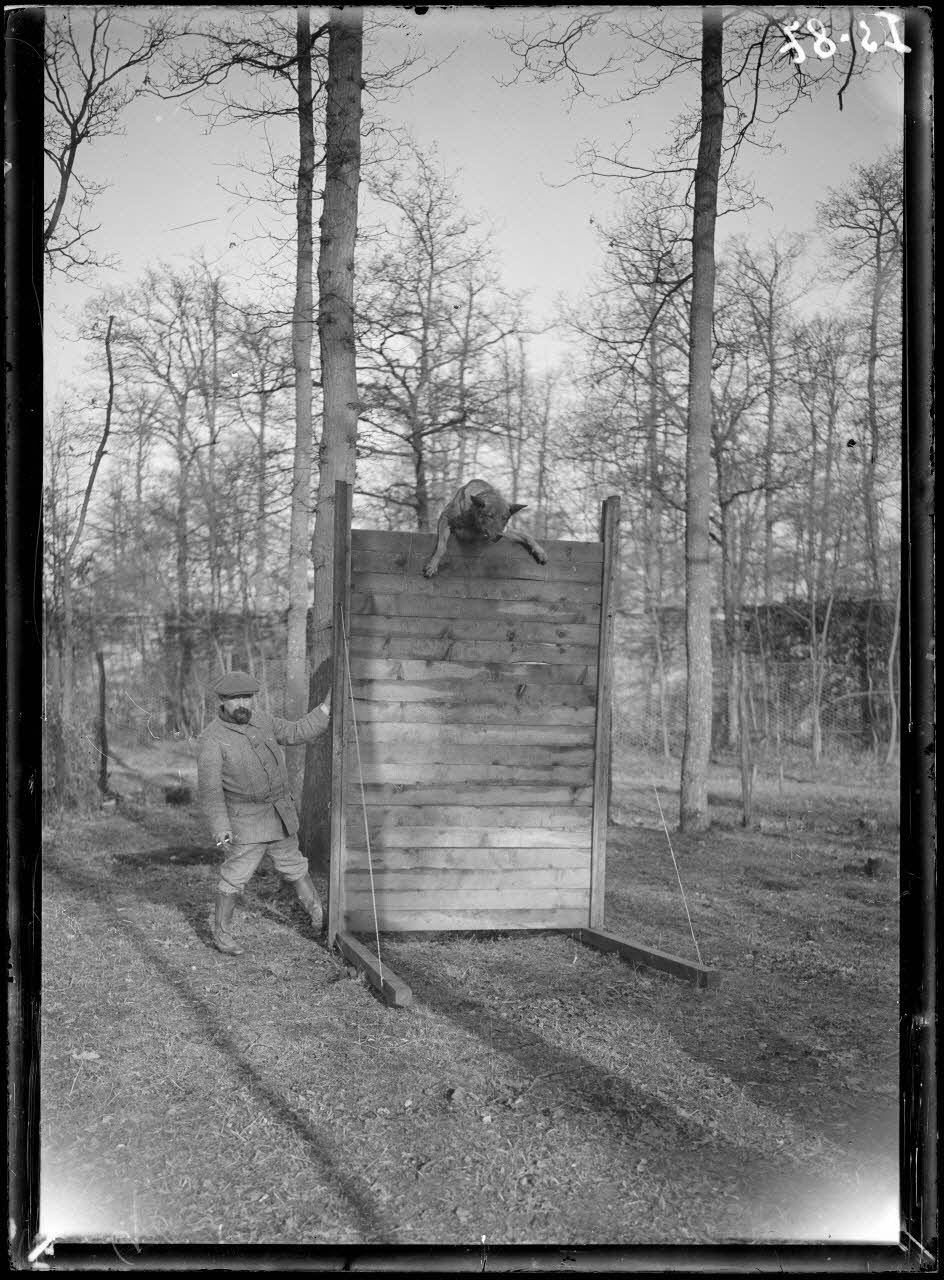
(240, 715)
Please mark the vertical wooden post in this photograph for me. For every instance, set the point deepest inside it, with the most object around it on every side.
(609, 535)
(341, 610)
(102, 729)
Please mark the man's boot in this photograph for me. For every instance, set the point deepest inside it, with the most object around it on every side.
(223, 940)
(308, 897)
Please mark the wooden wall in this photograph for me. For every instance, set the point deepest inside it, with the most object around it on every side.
(476, 698)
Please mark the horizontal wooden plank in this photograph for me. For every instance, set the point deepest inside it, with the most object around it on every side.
(405, 541)
(509, 677)
(499, 693)
(566, 561)
(452, 899)
(461, 881)
(650, 957)
(471, 609)
(496, 859)
(484, 794)
(503, 755)
(454, 649)
(391, 986)
(518, 735)
(407, 773)
(394, 920)
(534, 590)
(530, 712)
(417, 836)
(460, 817)
(522, 631)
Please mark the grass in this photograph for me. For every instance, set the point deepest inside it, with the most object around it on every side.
(537, 1092)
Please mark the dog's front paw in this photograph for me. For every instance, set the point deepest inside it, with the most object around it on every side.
(430, 570)
(540, 555)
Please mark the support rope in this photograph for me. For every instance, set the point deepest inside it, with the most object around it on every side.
(677, 876)
(360, 774)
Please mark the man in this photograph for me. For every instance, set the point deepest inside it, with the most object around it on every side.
(246, 798)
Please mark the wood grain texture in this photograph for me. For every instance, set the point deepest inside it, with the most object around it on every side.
(492, 610)
(449, 897)
(509, 835)
(465, 820)
(504, 695)
(534, 591)
(525, 711)
(452, 648)
(512, 679)
(601, 940)
(495, 858)
(458, 775)
(529, 630)
(442, 733)
(476, 702)
(367, 541)
(609, 534)
(429, 883)
(391, 986)
(407, 554)
(392, 919)
(482, 794)
(430, 754)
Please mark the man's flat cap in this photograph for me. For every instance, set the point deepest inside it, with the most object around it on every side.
(236, 684)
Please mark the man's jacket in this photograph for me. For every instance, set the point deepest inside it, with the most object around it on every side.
(241, 775)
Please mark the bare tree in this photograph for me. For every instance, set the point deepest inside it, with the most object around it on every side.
(693, 803)
(64, 572)
(167, 340)
(634, 327)
(763, 279)
(264, 374)
(867, 217)
(821, 377)
(96, 64)
(296, 676)
(744, 72)
(432, 324)
(337, 451)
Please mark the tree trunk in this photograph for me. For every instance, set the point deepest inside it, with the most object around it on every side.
(744, 735)
(693, 810)
(871, 457)
(892, 699)
(339, 377)
(296, 672)
(772, 376)
(183, 664)
(260, 589)
(818, 653)
(729, 607)
(102, 727)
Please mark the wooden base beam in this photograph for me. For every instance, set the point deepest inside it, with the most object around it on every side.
(393, 989)
(648, 956)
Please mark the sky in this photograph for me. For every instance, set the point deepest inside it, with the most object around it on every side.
(511, 145)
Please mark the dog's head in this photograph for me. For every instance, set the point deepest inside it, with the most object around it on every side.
(492, 513)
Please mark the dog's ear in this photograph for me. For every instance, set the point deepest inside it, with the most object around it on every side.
(515, 508)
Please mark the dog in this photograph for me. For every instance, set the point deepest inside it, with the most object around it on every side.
(478, 513)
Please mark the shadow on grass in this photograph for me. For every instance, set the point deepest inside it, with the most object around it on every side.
(626, 1110)
(183, 855)
(332, 1161)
